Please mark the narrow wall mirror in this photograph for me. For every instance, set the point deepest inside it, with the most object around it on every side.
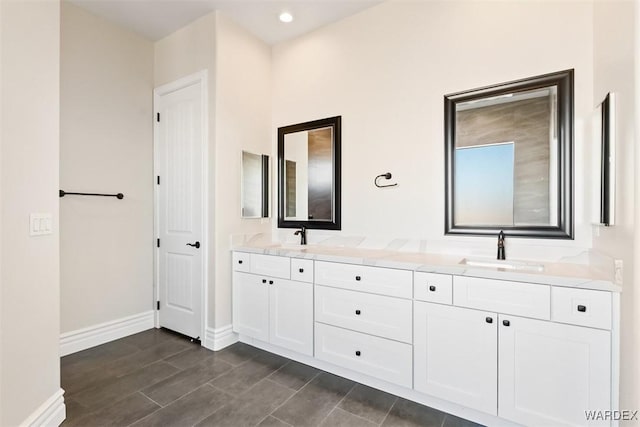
(309, 174)
(607, 160)
(255, 185)
(508, 158)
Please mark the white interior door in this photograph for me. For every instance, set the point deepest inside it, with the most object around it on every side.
(179, 153)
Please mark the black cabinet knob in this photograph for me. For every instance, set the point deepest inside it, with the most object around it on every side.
(301, 270)
(271, 282)
(239, 261)
(489, 319)
(194, 245)
(582, 308)
(506, 322)
(357, 352)
(264, 280)
(358, 278)
(432, 288)
(358, 312)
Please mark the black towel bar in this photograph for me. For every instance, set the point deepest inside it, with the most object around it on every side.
(65, 193)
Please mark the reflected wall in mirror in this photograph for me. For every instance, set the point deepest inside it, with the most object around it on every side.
(607, 160)
(309, 175)
(509, 158)
(255, 185)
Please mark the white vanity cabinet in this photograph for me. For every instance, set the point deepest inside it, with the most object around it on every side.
(272, 308)
(551, 373)
(456, 353)
(483, 348)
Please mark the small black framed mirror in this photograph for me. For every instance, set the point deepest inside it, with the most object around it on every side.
(254, 185)
(509, 158)
(309, 175)
(607, 160)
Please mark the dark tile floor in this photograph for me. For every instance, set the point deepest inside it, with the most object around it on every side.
(156, 378)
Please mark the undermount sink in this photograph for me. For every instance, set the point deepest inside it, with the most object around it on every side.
(504, 264)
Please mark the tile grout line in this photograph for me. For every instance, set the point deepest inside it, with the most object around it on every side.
(339, 402)
(389, 411)
(287, 399)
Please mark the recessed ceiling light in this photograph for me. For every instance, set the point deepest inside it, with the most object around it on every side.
(286, 17)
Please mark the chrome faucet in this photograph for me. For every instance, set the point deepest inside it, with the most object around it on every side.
(501, 254)
(303, 235)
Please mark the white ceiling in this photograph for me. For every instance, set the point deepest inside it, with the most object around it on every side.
(155, 19)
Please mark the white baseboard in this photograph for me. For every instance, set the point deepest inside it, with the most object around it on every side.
(50, 414)
(81, 339)
(217, 339)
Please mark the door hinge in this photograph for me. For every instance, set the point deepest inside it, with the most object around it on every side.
(158, 305)
(158, 242)
(158, 181)
(157, 117)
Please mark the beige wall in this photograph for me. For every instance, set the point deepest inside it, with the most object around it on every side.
(106, 146)
(386, 70)
(614, 72)
(29, 310)
(243, 122)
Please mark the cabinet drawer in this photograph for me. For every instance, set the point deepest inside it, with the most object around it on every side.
(373, 314)
(376, 280)
(268, 265)
(242, 262)
(522, 299)
(302, 270)
(433, 287)
(581, 307)
(381, 358)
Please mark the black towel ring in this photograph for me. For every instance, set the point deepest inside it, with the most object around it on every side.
(385, 176)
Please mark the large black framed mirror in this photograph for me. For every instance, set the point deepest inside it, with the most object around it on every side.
(309, 174)
(509, 158)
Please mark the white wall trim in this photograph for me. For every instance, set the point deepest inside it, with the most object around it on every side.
(81, 339)
(217, 339)
(51, 413)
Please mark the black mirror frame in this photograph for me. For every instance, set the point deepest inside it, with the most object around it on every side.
(565, 228)
(607, 160)
(335, 224)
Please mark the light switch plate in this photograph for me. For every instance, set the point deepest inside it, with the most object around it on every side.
(40, 224)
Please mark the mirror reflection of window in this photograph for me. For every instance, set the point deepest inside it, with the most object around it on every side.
(484, 180)
(290, 182)
(527, 118)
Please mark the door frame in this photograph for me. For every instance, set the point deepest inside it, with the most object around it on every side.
(200, 77)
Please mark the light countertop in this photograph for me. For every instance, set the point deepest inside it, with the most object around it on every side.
(583, 276)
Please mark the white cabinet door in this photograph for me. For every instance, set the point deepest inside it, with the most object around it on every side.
(291, 315)
(455, 355)
(251, 305)
(550, 374)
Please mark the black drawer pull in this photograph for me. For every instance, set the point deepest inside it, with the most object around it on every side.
(358, 312)
(489, 319)
(432, 288)
(239, 261)
(271, 282)
(582, 308)
(506, 322)
(301, 270)
(358, 278)
(357, 352)
(264, 280)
